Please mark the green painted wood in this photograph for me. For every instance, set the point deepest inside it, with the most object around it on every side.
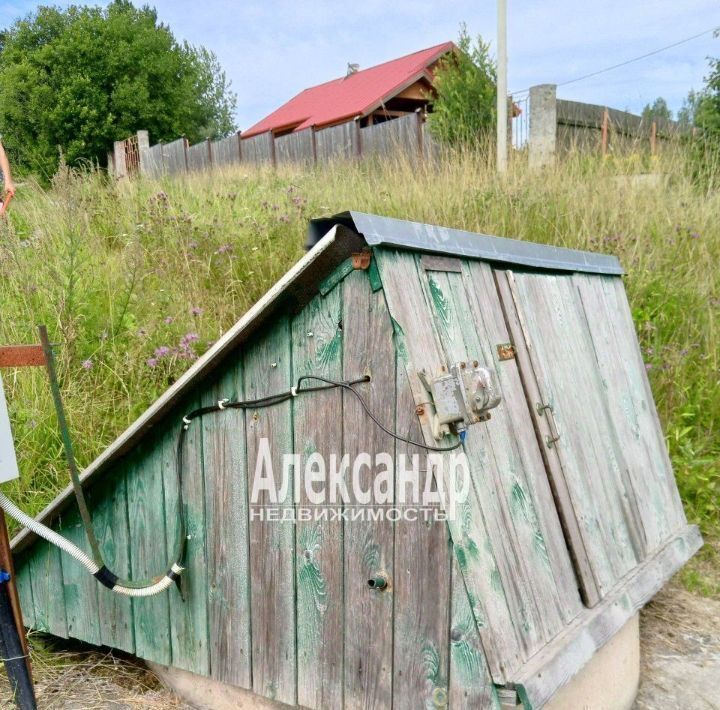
(329, 283)
(490, 599)
(110, 521)
(421, 585)
(588, 448)
(226, 512)
(148, 552)
(23, 580)
(630, 406)
(368, 546)
(496, 473)
(374, 276)
(470, 685)
(317, 336)
(267, 370)
(46, 582)
(188, 617)
(80, 588)
(535, 557)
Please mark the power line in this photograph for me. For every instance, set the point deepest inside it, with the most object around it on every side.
(630, 61)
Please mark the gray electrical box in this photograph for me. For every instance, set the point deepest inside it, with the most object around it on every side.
(8, 462)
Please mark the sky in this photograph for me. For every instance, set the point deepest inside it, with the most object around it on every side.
(271, 50)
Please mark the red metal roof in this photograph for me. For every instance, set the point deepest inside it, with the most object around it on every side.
(350, 96)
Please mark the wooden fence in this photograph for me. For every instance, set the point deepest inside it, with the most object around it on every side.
(406, 135)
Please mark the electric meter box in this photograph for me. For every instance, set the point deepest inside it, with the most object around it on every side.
(8, 462)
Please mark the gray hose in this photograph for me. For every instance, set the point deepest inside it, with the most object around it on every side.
(75, 552)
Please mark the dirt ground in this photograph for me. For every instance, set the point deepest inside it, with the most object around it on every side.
(680, 639)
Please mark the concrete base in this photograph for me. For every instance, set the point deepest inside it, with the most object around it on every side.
(207, 694)
(609, 682)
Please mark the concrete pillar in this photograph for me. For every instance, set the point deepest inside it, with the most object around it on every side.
(119, 161)
(543, 125)
(143, 151)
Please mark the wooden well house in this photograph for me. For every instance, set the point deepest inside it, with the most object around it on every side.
(571, 523)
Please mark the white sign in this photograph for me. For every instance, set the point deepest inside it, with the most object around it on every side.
(8, 462)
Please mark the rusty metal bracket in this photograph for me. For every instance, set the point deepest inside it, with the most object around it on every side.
(506, 351)
(361, 259)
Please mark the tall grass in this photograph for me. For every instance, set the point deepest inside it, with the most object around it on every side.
(136, 279)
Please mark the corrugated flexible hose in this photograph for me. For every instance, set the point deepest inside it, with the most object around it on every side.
(74, 551)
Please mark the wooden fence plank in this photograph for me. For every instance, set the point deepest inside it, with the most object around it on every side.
(267, 371)
(226, 510)
(367, 348)
(421, 584)
(317, 418)
(415, 332)
(80, 588)
(149, 552)
(46, 581)
(110, 521)
(188, 617)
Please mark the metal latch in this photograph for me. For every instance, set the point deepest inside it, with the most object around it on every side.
(461, 396)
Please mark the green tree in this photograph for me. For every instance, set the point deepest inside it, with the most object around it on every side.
(658, 110)
(465, 82)
(688, 110)
(75, 80)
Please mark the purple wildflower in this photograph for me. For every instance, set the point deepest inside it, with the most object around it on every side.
(193, 245)
(196, 311)
(162, 351)
(223, 249)
(151, 362)
(87, 364)
(168, 320)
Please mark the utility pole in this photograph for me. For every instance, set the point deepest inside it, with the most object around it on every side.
(502, 103)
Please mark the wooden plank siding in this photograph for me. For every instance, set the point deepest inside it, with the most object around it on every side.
(226, 516)
(317, 349)
(267, 370)
(369, 546)
(280, 604)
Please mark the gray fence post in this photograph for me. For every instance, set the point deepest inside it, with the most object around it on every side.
(238, 135)
(143, 148)
(542, 137)
(119, 163)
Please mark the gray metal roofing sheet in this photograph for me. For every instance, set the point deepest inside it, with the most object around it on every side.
(389, 232)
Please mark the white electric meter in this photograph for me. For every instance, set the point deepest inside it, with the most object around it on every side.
(8, 462)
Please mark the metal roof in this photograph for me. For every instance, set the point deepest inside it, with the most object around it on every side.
(355, 95)
(389, 232)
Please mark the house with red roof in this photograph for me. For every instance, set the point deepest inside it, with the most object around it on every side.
(370, 96)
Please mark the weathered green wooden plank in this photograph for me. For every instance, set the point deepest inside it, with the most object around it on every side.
(497, 473)
(317, 418)
(643, 475)
(488, 596)
(329, 283)
(23, 580)
(421, 584)
(226, 511)
(470, 685)
(518, 448)
(46, 582)
(148, 551)
(267, 370)
(368, 546)
(579, 537)
(80, 588)
(188, 617)
(630, 399)
(110, 521)
(588, 446)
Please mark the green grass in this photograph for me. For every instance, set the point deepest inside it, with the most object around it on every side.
(120, 272)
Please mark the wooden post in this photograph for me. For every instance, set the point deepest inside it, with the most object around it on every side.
(239, 142)
(653, 138)
(358, 137)
(186, 145)
(314, 144)
(210, 155)
(605, 127)
(420, 121)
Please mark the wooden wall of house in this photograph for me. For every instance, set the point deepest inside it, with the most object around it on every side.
(282, 609)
